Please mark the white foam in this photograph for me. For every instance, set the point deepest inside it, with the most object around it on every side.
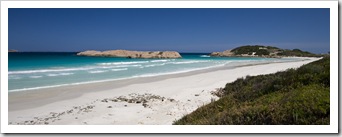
(15, 77)
(117, 65)
(80, 83)
(58, 74)
(205, 56)
(187, 62)
(153, 65)
(48, 70)
(36, 76)
(123, 63)
(120, 66)
(164, 60)
(97, 71)
(102, 65)
(177, 72)
(52, 75)
(69, 69)
(65, 74)
(119, 69)
(143, 75)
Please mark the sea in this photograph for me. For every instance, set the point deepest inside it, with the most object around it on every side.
(38, 70)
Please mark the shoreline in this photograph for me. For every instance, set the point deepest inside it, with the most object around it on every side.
(199, 70)
(195, 86)
(50, 92)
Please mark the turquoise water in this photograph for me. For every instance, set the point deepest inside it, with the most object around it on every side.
(30, 70)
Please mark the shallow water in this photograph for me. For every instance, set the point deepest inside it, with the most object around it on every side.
(35, 70)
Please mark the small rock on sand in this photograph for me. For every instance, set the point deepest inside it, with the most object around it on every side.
(145, 105)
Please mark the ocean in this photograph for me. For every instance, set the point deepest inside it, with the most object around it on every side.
(36, 70)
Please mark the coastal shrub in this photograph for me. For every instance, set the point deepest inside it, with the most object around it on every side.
(267, 50)
(297, 52)
(249, 49)
(262, 52)
(296, 96)
(271, 47)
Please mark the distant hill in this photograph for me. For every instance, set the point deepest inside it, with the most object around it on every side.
(263, 51)
(12, 50)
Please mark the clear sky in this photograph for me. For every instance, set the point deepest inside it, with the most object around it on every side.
(183, 30)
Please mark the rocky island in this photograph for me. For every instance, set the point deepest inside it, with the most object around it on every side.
(12, 50)
(131, 54)
(262, 51)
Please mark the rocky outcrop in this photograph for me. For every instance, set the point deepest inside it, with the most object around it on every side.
(131, 54)
(12, 50)
(226, 53)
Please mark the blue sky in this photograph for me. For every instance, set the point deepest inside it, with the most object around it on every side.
(183, 30)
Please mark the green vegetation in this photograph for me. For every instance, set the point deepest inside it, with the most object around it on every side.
(300, 97)
(249, 49)
(261, 50)
(297, 52)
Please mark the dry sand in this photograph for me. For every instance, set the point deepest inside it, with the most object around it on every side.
(152, 100)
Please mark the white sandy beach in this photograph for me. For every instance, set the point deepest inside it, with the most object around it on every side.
(167, 98)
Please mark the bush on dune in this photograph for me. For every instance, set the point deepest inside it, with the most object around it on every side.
(300, 97)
